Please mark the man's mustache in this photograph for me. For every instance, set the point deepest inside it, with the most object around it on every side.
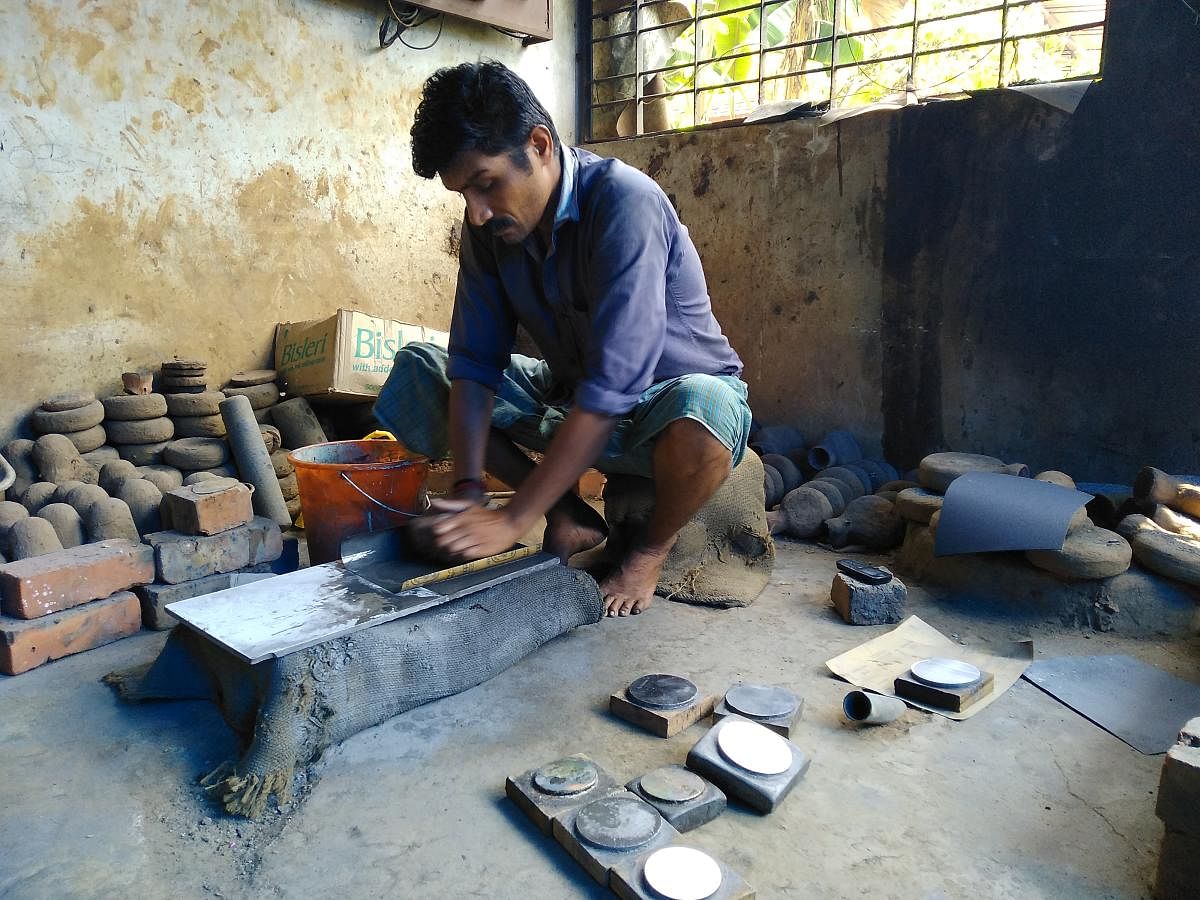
(495, 226)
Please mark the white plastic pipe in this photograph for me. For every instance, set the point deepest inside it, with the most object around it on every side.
(872, 709)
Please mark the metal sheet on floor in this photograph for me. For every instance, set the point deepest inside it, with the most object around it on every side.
(1141, 705)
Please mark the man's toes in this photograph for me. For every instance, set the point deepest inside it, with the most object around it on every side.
(642, 605)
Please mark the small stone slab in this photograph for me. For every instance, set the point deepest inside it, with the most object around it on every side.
(628, 881)
(766, 699)
(664, 721)
(760, 792)
(544, 804)
(859, 603)
(681, 797)
(252, 377)
(602, 834)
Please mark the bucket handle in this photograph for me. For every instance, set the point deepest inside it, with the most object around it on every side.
(345, 476)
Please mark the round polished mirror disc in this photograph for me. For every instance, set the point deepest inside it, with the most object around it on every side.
(761, 701)
(617, 823)
(754, 748)
(674, 784)
(662, 691)
(681, 873)
(566, 776)
(947, 673)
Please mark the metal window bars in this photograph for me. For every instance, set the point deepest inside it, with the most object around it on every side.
(622, 82)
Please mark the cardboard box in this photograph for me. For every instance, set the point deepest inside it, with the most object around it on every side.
(345, 357)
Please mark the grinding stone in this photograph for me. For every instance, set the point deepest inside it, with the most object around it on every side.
(761, 701)
(618, 822)
(662, 691)
(672, 784)
(563, 777)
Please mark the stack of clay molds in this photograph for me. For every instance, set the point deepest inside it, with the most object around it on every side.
(70, 600)
(258, 386)
(197, 415)
(195, 455)
(213, 536)
(183, 376)
(138, 426)
(77, 415)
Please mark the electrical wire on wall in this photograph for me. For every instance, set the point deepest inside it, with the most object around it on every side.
(395, 23)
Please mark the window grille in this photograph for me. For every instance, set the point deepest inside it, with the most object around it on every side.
(667, 65)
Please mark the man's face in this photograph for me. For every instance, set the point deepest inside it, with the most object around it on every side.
(501, 196)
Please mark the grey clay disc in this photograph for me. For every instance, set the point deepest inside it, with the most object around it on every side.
(662, 692)
(566, 776)
(760, 701)
(674, 784)
(617, 823)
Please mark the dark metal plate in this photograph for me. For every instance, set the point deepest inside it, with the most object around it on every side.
(566, 776)
(761, 701)
(674, 784)
(617, 823)
(662, 692)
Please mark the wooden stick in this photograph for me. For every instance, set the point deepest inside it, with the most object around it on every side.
(477, 565)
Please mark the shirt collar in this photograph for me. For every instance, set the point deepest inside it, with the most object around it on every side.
(568, 196)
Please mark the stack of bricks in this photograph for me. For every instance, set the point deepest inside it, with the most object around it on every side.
(215, 542)
(68, 601)
(1179, 809)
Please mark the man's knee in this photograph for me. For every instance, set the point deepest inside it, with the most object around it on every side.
(413, 403)
(689, 442)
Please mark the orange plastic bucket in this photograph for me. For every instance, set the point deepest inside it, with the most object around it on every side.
(348, 487)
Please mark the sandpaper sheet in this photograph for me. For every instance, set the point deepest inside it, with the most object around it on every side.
(877, 663)
(1141, 705)
(986, 512)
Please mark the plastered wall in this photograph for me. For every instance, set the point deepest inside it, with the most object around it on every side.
(991, 275)
(176, 178)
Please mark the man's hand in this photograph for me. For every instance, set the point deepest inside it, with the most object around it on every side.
(463, 531)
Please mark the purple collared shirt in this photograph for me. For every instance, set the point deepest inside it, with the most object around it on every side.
(617, 304)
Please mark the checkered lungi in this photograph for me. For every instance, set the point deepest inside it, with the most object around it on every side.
(414, 405)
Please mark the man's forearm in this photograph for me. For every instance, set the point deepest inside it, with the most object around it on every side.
(577, 444)
(470, 425)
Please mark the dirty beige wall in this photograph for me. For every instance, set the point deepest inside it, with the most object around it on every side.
(787, 219)
(175, 179)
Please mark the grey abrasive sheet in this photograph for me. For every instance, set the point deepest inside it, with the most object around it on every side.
(985, 512)
(1143, 706)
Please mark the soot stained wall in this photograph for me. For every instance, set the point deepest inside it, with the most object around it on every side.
(991, 275)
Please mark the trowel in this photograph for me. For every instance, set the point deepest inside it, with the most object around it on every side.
(385, 559)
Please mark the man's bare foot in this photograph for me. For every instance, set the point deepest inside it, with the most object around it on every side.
(630, 589)
(571, 532)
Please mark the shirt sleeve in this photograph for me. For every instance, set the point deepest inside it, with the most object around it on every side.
(627, 276)
(483, 326)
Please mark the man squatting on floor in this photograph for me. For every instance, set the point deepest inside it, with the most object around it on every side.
(588, 255)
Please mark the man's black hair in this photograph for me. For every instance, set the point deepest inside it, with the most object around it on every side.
(482, 106)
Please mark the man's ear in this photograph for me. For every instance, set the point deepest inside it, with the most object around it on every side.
(542, 143)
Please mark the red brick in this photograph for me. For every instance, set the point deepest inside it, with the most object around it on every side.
(27, 643)
(60, 580)
(191, 511)
(181, 557)
(1178, 867)
(1179, 790)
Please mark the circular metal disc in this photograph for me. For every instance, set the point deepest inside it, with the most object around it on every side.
(761, 701)
(566, 776)
(617, 823)
(754, 748)
(673, 784)
(214, 485)
(681, 873)
(948, 673)
(662, 691)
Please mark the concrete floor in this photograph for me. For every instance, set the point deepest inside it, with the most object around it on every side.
(1026, 800)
